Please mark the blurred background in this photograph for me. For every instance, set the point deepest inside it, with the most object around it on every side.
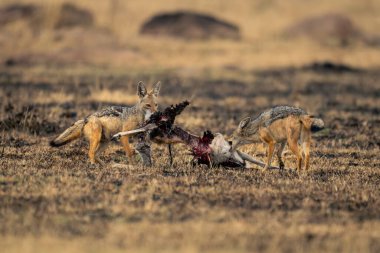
(189, 35)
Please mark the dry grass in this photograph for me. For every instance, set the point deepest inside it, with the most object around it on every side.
(51, 199)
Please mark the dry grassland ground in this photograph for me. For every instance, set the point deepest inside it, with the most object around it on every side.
(51, 200)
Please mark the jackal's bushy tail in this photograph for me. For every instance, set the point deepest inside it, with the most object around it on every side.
(313, 123)
(70, 134)
(317, 124)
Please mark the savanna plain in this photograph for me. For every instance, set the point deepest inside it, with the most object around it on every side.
(52, 200)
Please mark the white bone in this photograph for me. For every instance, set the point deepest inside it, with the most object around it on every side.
(135, 131)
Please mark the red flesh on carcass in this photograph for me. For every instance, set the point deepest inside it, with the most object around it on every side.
(165, 132)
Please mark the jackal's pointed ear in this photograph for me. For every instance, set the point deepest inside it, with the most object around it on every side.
(244, 122)
(141, 89)
(156, 88)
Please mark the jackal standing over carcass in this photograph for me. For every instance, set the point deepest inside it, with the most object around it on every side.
(99, 127)
(280, 125)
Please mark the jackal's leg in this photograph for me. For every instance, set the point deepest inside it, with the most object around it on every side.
(94, 139)
(306, 140)
(127, 126)
(271, 146)
(279, 154)
(293, 135)
(127, 148)
(144, 149)
(293, 145)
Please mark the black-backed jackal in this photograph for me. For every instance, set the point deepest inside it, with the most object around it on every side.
(280, 125)
(99, 127)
